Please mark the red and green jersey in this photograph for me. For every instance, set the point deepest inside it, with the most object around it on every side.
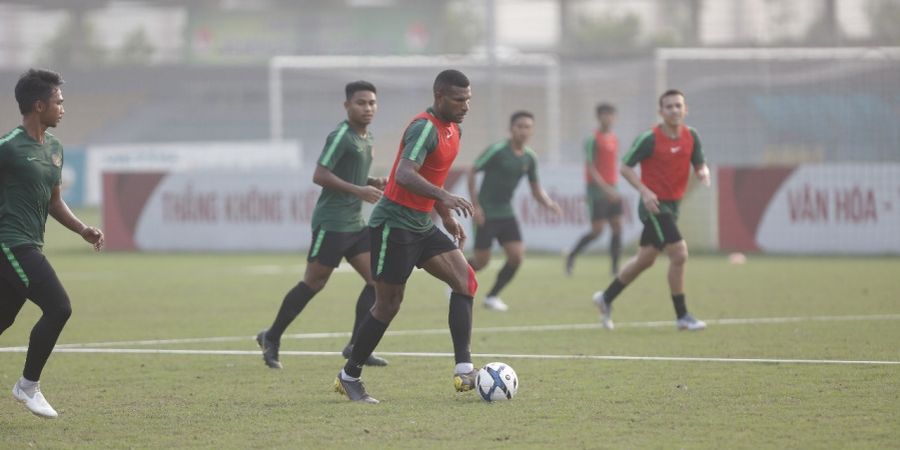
(349, 156)
(503, 168)
(433, 144)
(602, 153)
(29, 171)
(666, 164)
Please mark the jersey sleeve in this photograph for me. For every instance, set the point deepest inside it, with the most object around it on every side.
(589, 145)
(334, 147)
(485, 158)
(641, 149)
(419, 140)
(532, 166)
(697, 156)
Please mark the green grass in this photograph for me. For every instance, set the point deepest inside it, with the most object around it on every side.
(233, 401)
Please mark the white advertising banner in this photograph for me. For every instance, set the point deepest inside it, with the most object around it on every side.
(179, 156)
(836, 208)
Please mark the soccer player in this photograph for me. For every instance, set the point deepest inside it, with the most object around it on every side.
(603, 199)
(666, 154)
(403, 235)
(31, 162)
(504, 164)
(339, 230)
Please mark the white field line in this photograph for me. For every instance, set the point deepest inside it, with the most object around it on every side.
(510, 329)
(477, 355)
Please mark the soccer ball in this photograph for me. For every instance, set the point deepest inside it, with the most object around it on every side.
(497, 381)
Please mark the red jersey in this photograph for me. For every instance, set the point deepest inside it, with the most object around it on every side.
(435, 166)
(602, 152)
(665, 162)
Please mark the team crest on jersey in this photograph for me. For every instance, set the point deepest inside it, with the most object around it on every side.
(56, 158)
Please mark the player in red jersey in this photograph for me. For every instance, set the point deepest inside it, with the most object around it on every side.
(666, 154)
(603, 199)
(403, 235)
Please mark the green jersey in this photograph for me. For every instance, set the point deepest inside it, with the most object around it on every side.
(29, 171)
(349, 156)
(503, 168)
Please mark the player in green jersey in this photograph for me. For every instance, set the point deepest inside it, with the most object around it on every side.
(339, 230)
(504, 164)
(31, 162)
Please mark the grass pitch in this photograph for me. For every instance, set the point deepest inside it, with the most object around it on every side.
(814, 309)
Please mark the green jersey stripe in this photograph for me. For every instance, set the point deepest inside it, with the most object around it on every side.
(10, 135)
(414, 155)
(383, 249)
(531, 153)
(15, 264)
(637, 144)
(657, 228)
(320, 236)
(334, 143)
(589, 146)
(488, 154)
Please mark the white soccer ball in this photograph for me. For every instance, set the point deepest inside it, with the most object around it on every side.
(497, 381)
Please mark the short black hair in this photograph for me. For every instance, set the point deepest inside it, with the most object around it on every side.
(605, 108)
(518, 115)
(34, 85)
(356, 86)
(448, 78)
(670, 92)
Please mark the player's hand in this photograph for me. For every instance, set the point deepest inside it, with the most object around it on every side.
(94, 236)
(478, 215)
(379, 183)
(456, 230)
(651, 202)
(554, 207)
(703, 175)
(370, 194)
(461, 205)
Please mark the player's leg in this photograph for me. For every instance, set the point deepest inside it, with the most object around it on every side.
(595, 212)
(447, 263)
(362, 263)
(47, 292)
(510, 238)
(649, 249)
(324, 256)
(11, 301)
(677, 250)
(393, 257)
(615, 241)
(484, 238)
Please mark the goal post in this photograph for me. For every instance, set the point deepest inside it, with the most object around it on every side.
(547, 65)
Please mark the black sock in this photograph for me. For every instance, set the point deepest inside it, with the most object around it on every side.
(460, 320)
(680, 308)
(369, 334)
(363, 305)
(506, 273)
(582, 243)
(615, 250)
(294, 302)
(613, 291)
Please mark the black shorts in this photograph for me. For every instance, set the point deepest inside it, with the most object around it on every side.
(602, 208)
(660, 230)
(504, 230)
(329, 247)
(395, 251)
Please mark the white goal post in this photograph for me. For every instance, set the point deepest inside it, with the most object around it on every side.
(548, 63)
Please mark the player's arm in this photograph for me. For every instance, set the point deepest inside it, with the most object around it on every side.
(642, 148)
(419, 140)
(478, 166)
(327, 179)
(377, 182)
(537, 191)
(698, 160)
(61, 212)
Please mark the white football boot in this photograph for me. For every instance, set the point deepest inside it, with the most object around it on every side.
(494, 303)
(36, 403)
(605, 311)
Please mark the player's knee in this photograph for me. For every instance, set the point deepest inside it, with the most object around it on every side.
(679, 258)
(515, 260)
(315, 284)
(471, 285)
(60, 313)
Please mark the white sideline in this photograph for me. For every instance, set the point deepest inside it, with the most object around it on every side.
(476, 355)
(510, 329)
